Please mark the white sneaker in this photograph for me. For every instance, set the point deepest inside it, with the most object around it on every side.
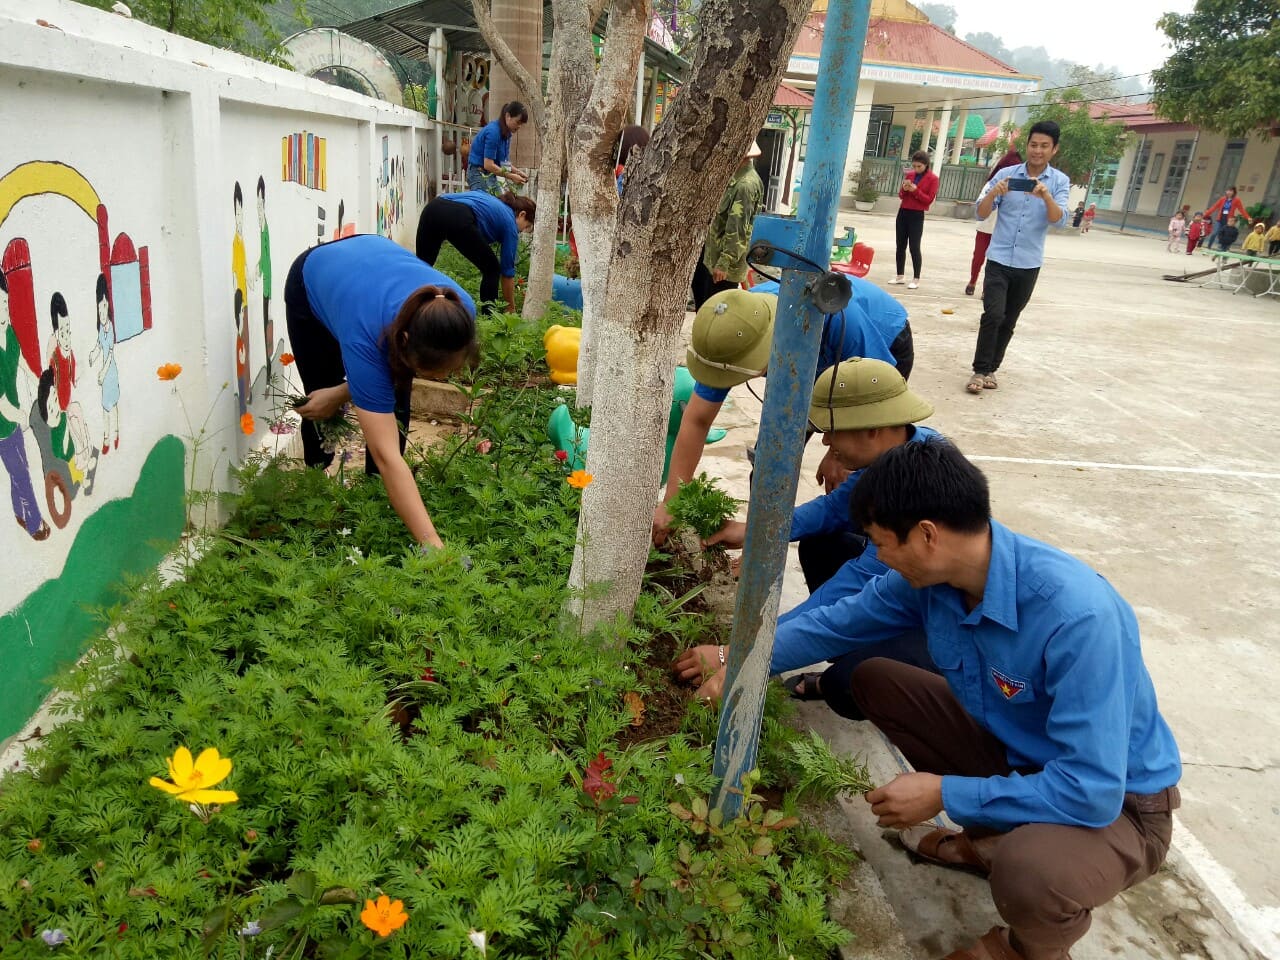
(895, 280)
(913, 284)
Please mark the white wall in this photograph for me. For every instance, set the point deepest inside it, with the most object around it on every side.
(103, 113)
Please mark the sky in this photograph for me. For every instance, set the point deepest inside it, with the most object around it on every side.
(1111, 32)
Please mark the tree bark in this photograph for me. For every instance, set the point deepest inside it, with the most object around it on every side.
(666, 207)
(542, 256)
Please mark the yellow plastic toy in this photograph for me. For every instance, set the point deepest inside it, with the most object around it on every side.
(562, 345)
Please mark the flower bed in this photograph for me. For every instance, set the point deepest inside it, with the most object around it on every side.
(425, 761)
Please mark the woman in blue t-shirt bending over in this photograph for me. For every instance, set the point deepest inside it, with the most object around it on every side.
(365, 317)
(473, 221)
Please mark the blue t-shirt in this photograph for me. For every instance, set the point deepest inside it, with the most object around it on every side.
(497, 223)
(490, 143)
(356, 287)
(865, 328)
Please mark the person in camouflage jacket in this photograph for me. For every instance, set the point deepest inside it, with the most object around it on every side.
(724, 258)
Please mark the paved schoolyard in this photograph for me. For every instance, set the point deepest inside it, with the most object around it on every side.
(1134, 427)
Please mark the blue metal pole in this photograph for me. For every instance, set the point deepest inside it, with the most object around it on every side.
(796, 340)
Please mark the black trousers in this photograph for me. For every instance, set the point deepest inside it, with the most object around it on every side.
(910, 228)
(903, 350)
(1005, 292)
(318, 356)
(821, 556)
(443, 219)
(704, 287)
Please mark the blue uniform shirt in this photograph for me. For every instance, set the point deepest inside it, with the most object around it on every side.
(865, 328)
(497, 223)
(1018, 239)
(1048, 662)
(490, 143)
(356, 287)
(830, 513)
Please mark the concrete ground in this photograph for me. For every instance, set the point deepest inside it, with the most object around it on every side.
(1133, 427)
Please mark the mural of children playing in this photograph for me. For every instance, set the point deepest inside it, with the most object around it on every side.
(62, 363)
(264, 276)
(103, 355)
(13, 449)
(242, 351)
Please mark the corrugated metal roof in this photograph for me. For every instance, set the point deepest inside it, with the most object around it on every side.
(406, 31)
(903, 43)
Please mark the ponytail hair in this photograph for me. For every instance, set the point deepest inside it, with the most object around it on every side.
(515, 108)
(519, 204)
(432, 329)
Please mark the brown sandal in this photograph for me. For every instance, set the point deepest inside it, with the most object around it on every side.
(989, 382)
(922, 842)
(975, 383)
(992, 945)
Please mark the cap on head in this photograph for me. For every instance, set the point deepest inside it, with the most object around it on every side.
(753, 151)
(863, 394)
(732, 337)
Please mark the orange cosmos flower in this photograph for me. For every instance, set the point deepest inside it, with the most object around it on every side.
(168, 371)
(246, 424)
(286, 358)
(579, 479)
(384, 917)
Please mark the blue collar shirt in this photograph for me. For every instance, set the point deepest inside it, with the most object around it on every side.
(490, 143)
(1018, 239)
(1048, 662)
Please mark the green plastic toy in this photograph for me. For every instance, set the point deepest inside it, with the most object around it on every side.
(572, 439)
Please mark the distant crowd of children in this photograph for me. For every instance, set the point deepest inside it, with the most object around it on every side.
(1260, 241)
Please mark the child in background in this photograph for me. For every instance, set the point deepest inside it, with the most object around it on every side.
(1198, 230)
(1088, 218)
(1256, 240)
(1177, 226)
(1273, 239)
(1078, 215)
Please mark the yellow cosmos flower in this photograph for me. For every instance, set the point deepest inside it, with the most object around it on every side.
(384, 917)
(579, 479)
(193, 779)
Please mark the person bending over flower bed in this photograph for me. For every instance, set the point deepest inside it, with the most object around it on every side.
(365, 317)
(473, 221)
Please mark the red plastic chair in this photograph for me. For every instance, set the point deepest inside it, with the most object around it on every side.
(859, 264)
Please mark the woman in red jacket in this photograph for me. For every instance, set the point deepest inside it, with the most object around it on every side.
(919, 187)
(1224, 211)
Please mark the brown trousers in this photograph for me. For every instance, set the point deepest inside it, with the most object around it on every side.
(1045, 877)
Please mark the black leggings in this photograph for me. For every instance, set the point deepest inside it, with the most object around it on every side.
(319, 359)
(903, 350)
(910, 227)
(444, 219)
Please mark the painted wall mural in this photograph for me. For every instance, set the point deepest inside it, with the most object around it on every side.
(304, 160)
(390, 190)
(47, 448)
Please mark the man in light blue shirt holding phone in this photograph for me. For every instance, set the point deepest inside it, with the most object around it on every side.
(1030, 196)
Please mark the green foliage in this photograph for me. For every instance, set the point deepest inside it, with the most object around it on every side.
(1221, 75)
(1086, 143)
(824, 774)
(399, 724)
(864, 185)
(244, 26)
(701, 506)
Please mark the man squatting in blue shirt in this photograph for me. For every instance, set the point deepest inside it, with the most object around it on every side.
(1041, 738)
(862, 407)
(1017, 245)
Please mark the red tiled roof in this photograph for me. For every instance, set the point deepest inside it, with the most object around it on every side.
(990, 137)
(902, 43)
(791, 97)
(1136, 116)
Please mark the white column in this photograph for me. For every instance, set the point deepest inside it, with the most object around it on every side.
(958, 146)
(910, 128)
(861, 124)
(639, 115)
(940, 154)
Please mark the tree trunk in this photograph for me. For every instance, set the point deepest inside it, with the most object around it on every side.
(668, 202)
(542, 257)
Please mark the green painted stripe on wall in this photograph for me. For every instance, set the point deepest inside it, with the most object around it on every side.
(55, 623)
